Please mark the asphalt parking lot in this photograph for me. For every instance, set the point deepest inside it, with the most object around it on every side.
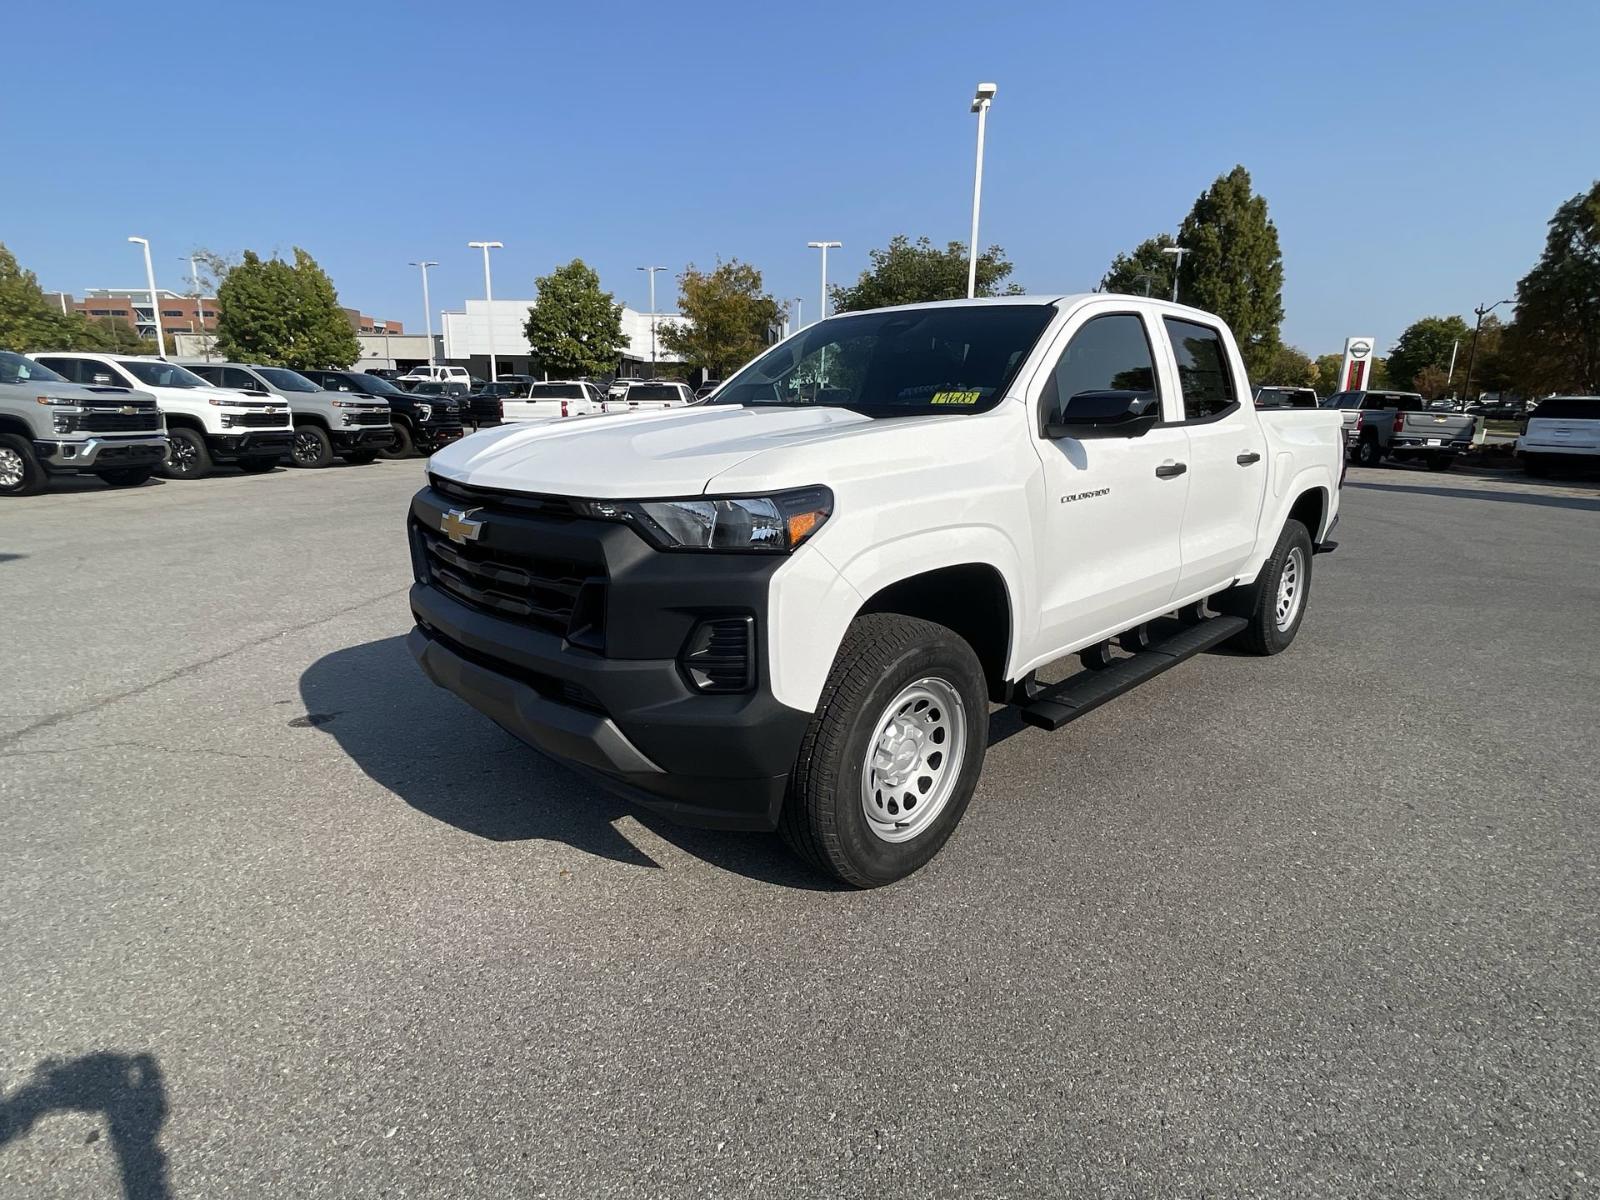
(277, 916)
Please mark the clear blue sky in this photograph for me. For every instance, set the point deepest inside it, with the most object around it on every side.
(1411, 152)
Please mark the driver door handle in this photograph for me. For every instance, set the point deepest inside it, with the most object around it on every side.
(1247, 458)
(1170, 470)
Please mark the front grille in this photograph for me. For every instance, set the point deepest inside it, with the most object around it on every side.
(367, 418)
(555, 594)
(260, 420)
(96, 421)
(519, 503)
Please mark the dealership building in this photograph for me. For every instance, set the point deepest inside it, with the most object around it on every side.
(469, 336)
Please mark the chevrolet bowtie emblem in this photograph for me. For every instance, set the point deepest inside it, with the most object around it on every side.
(128, 410)
(459, 527)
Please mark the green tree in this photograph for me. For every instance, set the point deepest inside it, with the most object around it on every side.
(1144, 272)
(907, 272)
(1234, 267)
(728, 317)
(27, 319)
(1327, 368)
(1429, 342)
(1553, 345)
(284, 314)
(1288, 367)
(575, 329)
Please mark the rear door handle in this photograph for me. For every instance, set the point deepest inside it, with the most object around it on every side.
(1247, 458)
(1170, 470)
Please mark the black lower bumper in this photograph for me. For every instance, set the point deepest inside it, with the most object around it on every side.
(225, 447)
(634, 725)
(373, 438)
(429, 438)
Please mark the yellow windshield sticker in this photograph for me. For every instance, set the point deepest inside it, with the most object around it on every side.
(955, 398)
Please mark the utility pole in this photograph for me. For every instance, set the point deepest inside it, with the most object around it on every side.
(427, 307)
(824, 247)
(651, 271)
(1472, 354)
(980, 105)
(1177, 267)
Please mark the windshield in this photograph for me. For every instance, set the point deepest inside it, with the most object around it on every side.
(377, 385)
(286, 381)
(161, 374)
(896, 362)
(16, 369)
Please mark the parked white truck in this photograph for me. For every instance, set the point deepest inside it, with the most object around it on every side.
(49, 426)
(206, 425)
(791, 607)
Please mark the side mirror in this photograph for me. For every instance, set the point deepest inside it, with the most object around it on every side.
(1105, 414)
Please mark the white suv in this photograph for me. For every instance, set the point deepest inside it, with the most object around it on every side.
(438, 375)
(557, 398)
(205, 424)
(647, 393)
(1563, 430)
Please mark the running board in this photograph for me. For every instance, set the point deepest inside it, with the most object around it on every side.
(1088, 690)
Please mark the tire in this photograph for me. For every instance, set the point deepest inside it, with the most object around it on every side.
(312, 449)
(1441, 462)
(259, 464)
(888, 665)
(20, 471)
(187, 456)
(1258, 602)
(1369, 453)
(360, 458)
(404, 446)
(128, 476)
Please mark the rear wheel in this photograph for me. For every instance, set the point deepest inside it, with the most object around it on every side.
(127, 476)
(312, 447)
(891, 758)
(20, 472)
(187, 456)
(1368, 453)
(1275, 603)
(403, 447)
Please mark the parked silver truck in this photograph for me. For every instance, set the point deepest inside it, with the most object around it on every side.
(351, 426)
(1401, 426)
(49, 426)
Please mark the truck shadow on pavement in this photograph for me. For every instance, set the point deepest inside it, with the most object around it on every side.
(459, 767)
(127, 1089)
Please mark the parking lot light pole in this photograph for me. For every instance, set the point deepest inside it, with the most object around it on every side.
(980, 105)
(155, 308)
(427, 308)
(799, 314)
(651, 271)
(1472, 354)
(488, 296)
(1177, 252)
(824, 247)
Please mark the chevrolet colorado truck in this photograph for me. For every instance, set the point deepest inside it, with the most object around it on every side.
(205, 425)
(1401, 426)
(790, 607)
(50, 426)
(354, 427)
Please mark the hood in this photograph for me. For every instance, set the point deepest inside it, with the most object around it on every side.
(642, 454)
(93, 393)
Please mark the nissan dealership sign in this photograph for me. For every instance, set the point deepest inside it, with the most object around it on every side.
(1357, 371)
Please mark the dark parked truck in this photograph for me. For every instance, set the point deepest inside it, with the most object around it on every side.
(422, 424)
(790, 607)
(1401, 426)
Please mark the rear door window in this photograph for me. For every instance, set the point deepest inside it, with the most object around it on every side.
(1204, 378)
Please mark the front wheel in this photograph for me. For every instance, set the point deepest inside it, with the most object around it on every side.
(1275, 604)
(187, 456)
(312, 447)
(403, 445)
(891, 758)
(20, 472)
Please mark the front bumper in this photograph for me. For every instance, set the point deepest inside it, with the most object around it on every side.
(101, 453)
(626, 715)
(227, 446)
(368, 437)
(436, 437)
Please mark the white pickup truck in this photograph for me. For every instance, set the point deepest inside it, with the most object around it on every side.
(791, 607)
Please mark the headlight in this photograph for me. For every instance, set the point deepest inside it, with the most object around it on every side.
(424, 411)
(63, 401)
(773, 524)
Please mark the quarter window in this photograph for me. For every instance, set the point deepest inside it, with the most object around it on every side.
(1107, 354)
(1203, 375)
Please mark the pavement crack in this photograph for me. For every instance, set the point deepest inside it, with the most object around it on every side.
(67, 714)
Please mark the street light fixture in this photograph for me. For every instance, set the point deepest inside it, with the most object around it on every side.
(488, 296)
(651, 271)
(1472, 355)
(1178, 252)
(981, 100)
(824, 247)
(427, 307)
(155, 307)
(799, 314)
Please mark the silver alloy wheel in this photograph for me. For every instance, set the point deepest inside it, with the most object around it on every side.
(1291, 589)
(914, 759)
(12, 468)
